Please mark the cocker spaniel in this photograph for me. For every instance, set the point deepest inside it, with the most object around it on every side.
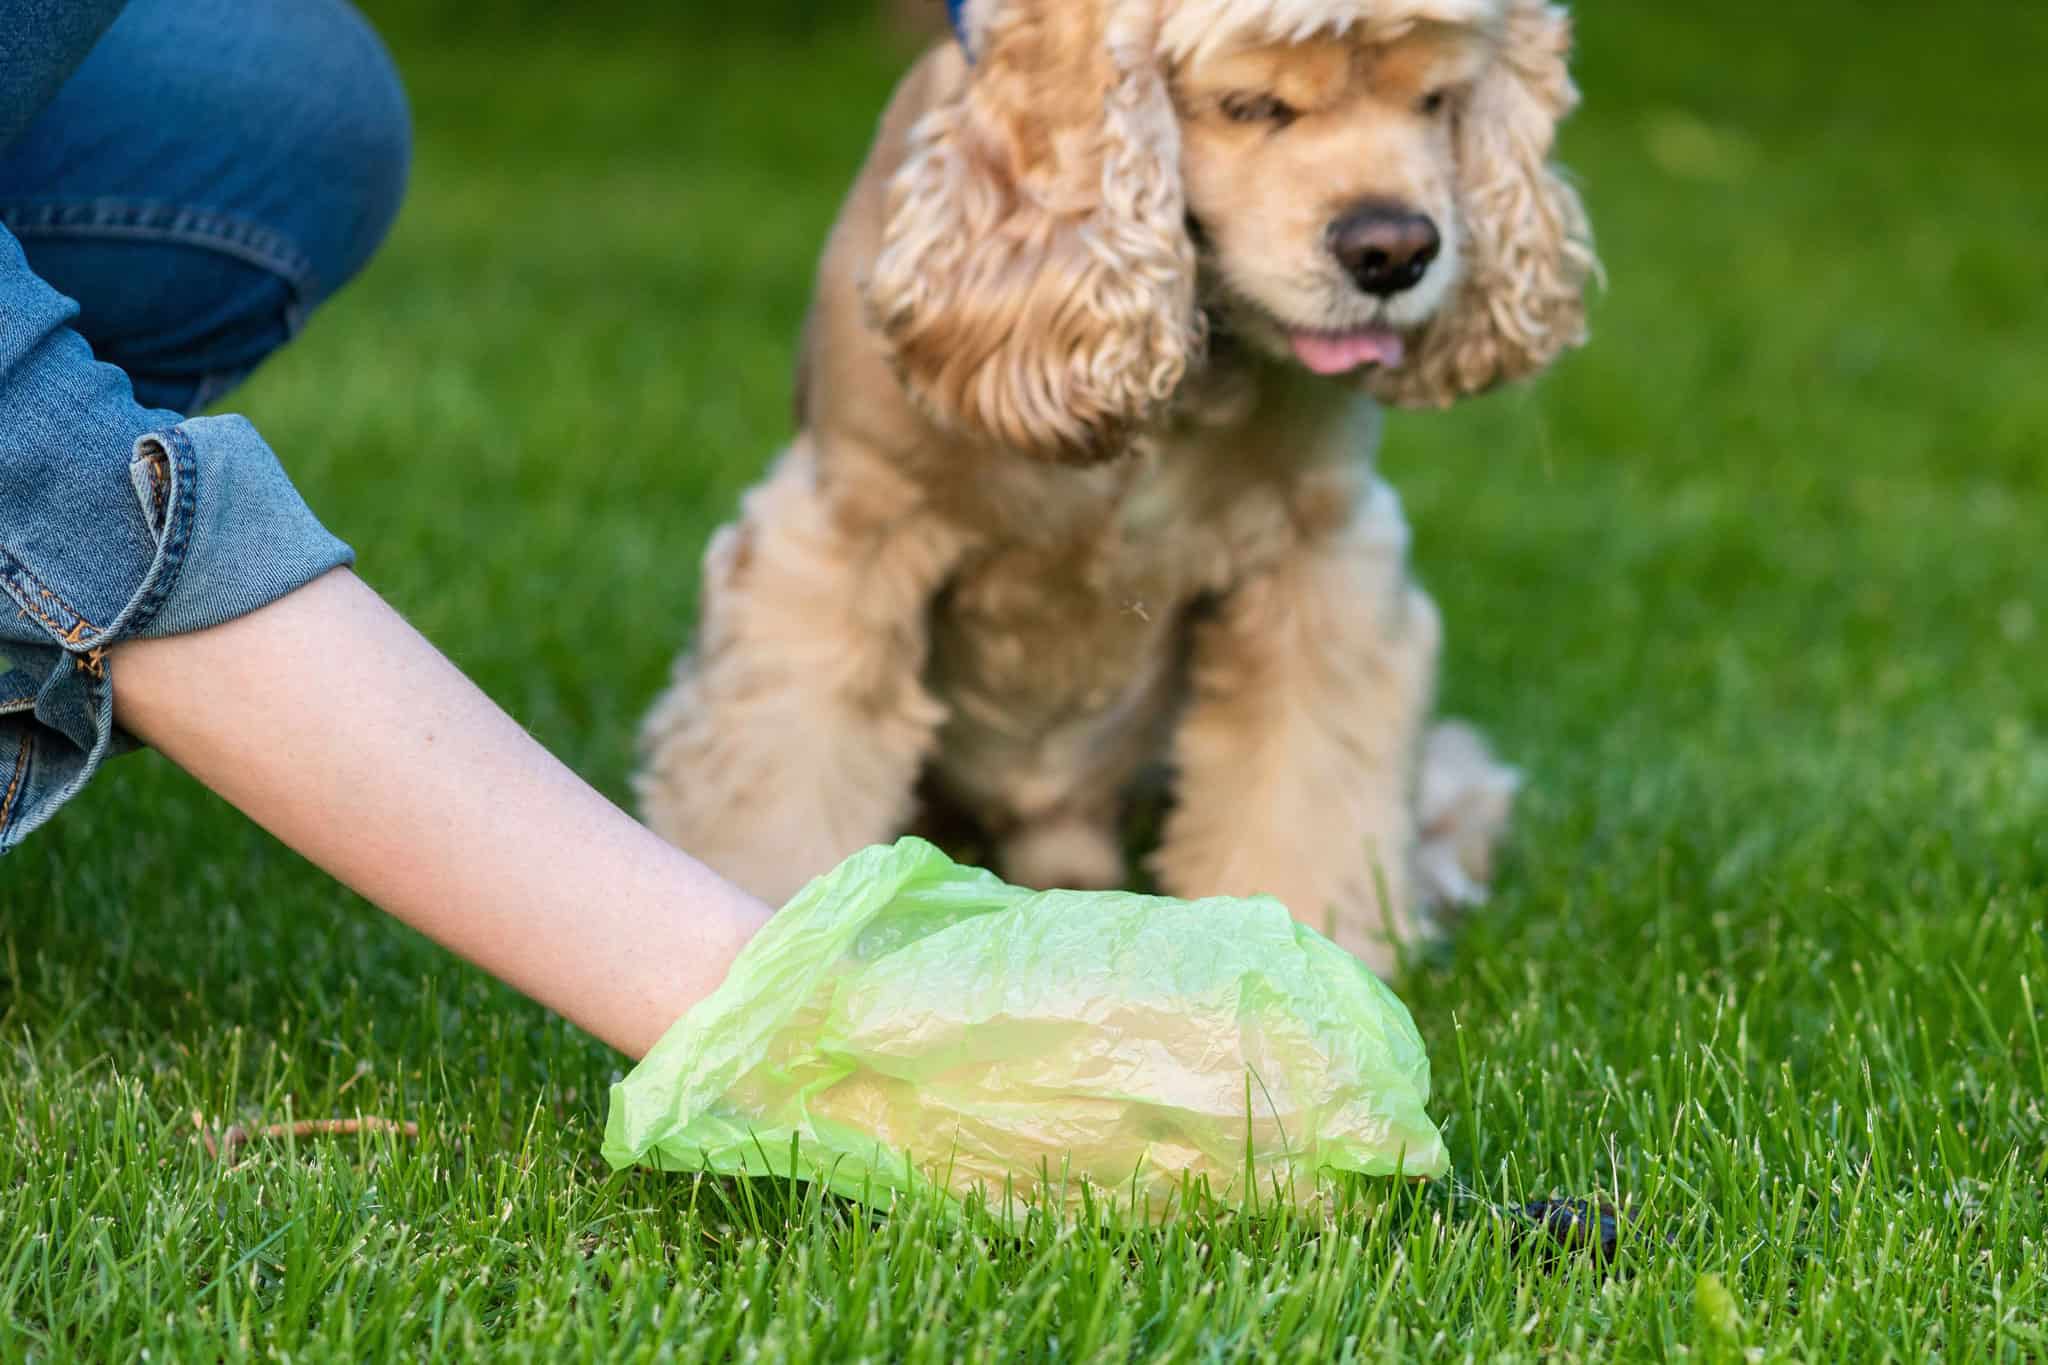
(1082, 486)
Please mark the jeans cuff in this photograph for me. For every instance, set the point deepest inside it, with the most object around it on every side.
(232, 536)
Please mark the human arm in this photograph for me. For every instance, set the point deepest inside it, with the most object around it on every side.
(123, 527)
(331, 723)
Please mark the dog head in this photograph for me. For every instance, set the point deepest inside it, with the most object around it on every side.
(1360, 187)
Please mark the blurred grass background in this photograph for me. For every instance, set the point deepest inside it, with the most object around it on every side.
(1753, 588)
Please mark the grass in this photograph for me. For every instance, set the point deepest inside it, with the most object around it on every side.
(1752, 588)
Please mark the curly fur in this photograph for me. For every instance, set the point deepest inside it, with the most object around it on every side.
(1195, 27)
(1064, 511)
(1034, 280)
(1529, 253)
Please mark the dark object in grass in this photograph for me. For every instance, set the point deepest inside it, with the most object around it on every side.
(1573, 1225)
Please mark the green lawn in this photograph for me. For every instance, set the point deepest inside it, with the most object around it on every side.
(1754, 588)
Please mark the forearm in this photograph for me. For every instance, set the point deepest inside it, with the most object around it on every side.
(330, 722)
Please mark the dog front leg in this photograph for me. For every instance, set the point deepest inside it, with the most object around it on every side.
(1295, 760)
(793, 734)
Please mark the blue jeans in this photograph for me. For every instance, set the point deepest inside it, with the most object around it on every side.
(210, 173)
(182, 182)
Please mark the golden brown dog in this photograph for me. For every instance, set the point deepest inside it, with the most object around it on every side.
(1087, 404)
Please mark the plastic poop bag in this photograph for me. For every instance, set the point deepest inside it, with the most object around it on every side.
(911, 1023)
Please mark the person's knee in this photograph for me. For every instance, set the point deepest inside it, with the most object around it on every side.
(277, 133)
(370, 146)
(211, 174)
(331, 113)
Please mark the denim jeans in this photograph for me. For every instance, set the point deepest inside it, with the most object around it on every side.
(181, 183)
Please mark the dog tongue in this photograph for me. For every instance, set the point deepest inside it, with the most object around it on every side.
(1346, 351)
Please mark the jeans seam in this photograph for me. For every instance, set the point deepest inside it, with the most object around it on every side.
(174, 521)
(15, 784)
(26, 589)
(154, 220)
(79, 636)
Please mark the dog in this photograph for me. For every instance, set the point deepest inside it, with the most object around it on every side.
(1082, 484)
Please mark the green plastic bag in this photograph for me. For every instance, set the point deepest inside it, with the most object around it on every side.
(912, 1023)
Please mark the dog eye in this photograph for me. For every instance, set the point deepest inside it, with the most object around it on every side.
(1257, 109)
(1433, 103)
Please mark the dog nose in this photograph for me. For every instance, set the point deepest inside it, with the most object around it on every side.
(1384, 247)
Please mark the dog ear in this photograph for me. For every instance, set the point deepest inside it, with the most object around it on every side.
(1035, 279)
(1529, 247)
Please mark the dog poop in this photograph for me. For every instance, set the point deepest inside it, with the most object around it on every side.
(1576, 1225)
(908, 1023)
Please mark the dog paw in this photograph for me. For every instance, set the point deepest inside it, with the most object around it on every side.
(1464, 796)
(1063, 855)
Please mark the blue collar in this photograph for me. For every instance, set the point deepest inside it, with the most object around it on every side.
(956, 14)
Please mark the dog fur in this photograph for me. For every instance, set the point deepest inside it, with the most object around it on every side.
(1066, 505)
